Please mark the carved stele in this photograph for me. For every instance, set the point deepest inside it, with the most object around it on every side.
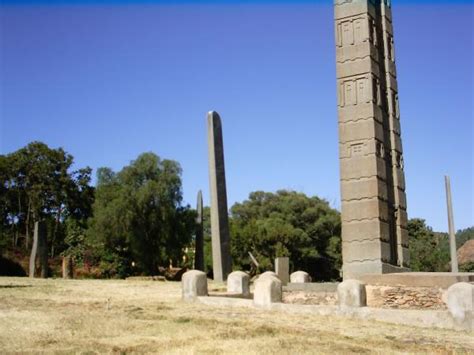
(374, 218)
(221, 259)
(199, 247)
(39, 250)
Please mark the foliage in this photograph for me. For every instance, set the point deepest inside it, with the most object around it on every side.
(463, 235)
(138, 216)
(467, 267)
(429, 251)
(287, 223)
(36, 183)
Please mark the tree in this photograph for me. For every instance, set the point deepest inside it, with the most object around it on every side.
(37, 184)
(429, 251)
(287, 223)
(138, 216)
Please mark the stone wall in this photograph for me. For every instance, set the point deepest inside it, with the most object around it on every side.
(405, 297)
(395, 297)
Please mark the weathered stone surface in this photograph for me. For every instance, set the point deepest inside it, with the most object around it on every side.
(194, 284)
(282, 269)
(460, 302)
(68, 267)
(371, 156)
(268, 290)
(403, 297)
(300, 277)
(221, 258)
(238, 282)
(418, 279)
(351, 293)
(268, 273)
(199, 243)
(39, 250)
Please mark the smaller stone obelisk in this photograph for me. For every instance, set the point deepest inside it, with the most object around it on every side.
(199, 242)
(452, 233)
(39, 248)
(221, 259)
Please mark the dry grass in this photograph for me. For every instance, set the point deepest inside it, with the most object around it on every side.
(95, 316)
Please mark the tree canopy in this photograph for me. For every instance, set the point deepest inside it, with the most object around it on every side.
(138, 215)
(37, 183)
(287, 223)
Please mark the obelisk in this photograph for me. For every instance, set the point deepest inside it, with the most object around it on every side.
(221, 259)
(374, 210)
(39, 250)
(199, 242)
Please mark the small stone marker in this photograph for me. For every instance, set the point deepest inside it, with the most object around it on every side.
(269, 273)
(68, 267)
(282, 269)
(351, 293)
(194, 284)
(238, 282)
(40, 250)
(268, 290)
(199, 247)
(300, 277)
(460, 302)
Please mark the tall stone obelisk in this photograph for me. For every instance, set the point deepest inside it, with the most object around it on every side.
(199, 242)
(374, 217)
(221, 259)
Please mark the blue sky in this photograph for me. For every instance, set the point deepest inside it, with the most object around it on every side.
(108, 80)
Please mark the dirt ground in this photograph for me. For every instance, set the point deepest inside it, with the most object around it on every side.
(98, 316)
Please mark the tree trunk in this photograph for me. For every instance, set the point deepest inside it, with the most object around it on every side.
(27, 239)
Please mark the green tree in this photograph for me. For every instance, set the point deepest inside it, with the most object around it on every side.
(138, 216)
(287, 223)
(38, 184)
(463, 235)
(429, 251)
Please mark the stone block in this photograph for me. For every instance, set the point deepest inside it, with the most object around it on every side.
(282, 269)
(351, 293)
(359, 67)
(460, 302)
(361, 129)
(359, 112)
(300, 277)
(363, 188)
(238, 283)
(268, 273)
(362, 167)
(194, 284)
(358, 210)
(373, 229)
(366, 250)
(268, 290)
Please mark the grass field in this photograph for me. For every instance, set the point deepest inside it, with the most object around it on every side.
(97, 316)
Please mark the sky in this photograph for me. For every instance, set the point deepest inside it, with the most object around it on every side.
(108, 80)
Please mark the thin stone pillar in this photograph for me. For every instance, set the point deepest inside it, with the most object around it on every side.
(199, 243)
(221, 259)
(374, 217)
(40, 250)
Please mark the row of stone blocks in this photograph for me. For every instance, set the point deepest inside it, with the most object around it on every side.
(268, 286)
(350, 293)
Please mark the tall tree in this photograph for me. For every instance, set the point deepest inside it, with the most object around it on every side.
(429, 251)
(138, 215)
(287, 223)
(38, 184)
